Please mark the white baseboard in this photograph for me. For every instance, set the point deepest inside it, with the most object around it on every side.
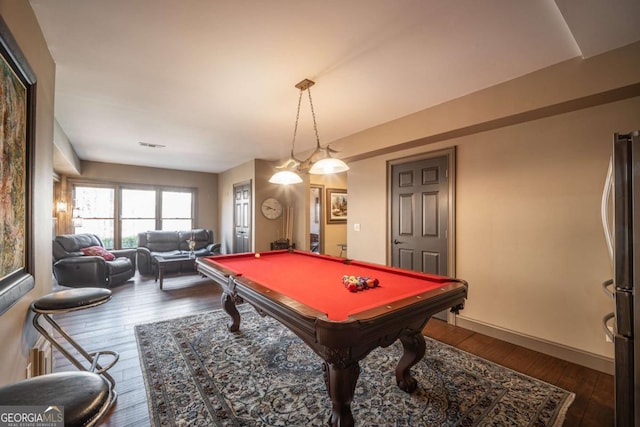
(40, 358)
(579, 357)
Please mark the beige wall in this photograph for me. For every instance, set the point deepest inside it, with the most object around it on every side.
(267, 230)
(264, 230)
(206, 185)
(529, 228)
(17, 334)
(529, 235)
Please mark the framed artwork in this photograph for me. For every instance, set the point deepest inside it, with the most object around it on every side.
(336, 205)
(17, 112)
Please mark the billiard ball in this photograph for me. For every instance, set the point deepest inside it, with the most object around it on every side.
(257, 255)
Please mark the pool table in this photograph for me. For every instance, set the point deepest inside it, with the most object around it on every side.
(305, 292)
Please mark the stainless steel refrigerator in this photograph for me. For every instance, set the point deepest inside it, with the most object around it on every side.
(621, 201)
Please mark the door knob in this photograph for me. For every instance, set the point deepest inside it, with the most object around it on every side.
(396, 242)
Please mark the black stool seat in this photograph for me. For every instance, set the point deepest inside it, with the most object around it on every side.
(85, 396)
(71, 299)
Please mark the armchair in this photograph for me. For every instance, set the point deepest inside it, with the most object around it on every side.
(80, 260)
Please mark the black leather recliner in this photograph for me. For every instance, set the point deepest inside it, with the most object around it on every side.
(73, 268)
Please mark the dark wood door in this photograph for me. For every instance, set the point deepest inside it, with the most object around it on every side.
(242, 218)
(420, 215)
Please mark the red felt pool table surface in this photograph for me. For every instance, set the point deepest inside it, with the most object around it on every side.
(316, 280)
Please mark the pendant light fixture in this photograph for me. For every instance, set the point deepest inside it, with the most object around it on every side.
(319, 161)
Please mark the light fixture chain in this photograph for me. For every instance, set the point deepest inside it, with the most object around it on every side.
(295, 128)
(313, 115)
(318, 162)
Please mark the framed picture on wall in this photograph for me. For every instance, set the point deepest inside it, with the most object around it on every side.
(336, 205)
(17, 107)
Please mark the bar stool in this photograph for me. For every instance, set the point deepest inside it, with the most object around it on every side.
(73, 300)
(84, 397)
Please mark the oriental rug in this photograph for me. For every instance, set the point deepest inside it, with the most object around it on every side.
(199, 374)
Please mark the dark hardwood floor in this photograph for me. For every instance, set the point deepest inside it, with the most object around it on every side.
(110, 326)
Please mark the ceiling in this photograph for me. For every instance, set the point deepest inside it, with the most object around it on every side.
(214, 81)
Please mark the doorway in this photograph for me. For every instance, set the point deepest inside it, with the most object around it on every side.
(316, 241)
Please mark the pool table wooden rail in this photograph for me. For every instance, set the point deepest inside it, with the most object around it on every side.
(314, 324)
(343, 344)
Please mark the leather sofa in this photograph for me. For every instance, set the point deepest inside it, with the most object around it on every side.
(80, 260)
(172, 244)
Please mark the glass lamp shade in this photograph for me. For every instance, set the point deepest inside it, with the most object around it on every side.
(285, 177)
(327, 166)
(61, 206)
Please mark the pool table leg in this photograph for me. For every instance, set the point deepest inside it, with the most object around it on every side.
(414, 349)
(341, 385)
(229, 305)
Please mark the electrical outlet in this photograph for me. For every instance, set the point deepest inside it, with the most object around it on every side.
(606, 337)
(356, 227)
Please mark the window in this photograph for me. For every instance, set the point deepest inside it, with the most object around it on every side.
(138, 214)
(93, 213)
(117, 213)
(176, 210)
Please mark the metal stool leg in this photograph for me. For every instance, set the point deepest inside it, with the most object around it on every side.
(92, 358)
(73, 300)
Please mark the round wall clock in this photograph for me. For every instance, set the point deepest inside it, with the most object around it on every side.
(271, 208)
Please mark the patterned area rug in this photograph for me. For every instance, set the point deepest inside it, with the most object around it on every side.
(198, 373)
